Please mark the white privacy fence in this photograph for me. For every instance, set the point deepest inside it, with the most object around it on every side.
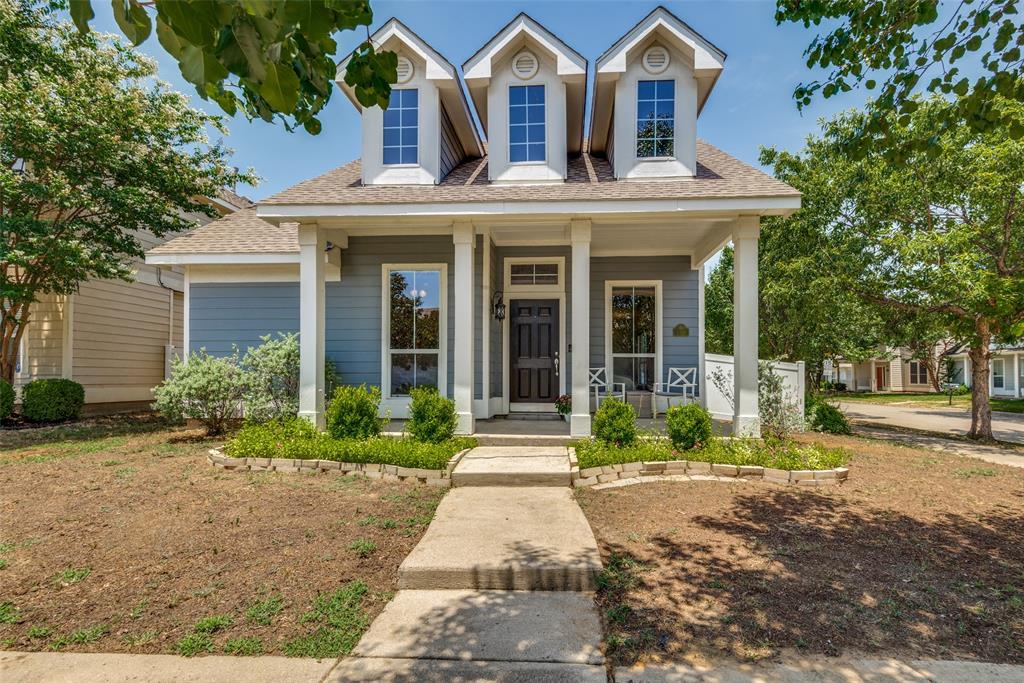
(720, 405)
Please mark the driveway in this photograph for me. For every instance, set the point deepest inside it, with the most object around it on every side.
(1005, 426)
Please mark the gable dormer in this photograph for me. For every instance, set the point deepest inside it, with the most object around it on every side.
(528, 88)
(427, 129)
(649, 89)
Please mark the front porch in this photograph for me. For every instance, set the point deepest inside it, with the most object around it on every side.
(487, 311)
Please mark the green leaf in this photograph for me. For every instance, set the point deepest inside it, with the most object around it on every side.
(248, 39)
(280, 88)
(200, 67)
(82, 14)
(168, 39)
(312, 126)
(133, 20)
(195, 21)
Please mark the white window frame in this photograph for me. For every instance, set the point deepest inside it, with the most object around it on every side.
(659, 338)
(400, 404)
(921, 368)
(556, 288)
(1001, 374)
(419, 140)
(508, 126)
(636, 119)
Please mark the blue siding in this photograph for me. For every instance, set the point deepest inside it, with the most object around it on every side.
(224, 315)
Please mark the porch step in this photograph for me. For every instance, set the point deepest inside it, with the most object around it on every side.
(515, 440)
(505, 538)
(513, 466)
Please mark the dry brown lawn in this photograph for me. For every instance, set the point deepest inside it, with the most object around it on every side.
(919, 554)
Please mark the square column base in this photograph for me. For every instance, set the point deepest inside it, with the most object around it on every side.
(579, 425)
(314, 417)
(746, 425)
(465, 424)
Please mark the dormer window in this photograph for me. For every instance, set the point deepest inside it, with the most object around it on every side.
(401, 126)
(526, 132)
(655, 119)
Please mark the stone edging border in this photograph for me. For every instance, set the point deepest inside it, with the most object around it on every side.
(592, 476)
(440, 478)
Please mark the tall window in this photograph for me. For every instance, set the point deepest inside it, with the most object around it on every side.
(634, 316)
(526, 123)
(918, 372)
(655, 118)
(414, 318)
(998, 373)
(400, 127)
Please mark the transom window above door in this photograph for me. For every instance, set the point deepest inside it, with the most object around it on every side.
(526, 134)
(533, 274)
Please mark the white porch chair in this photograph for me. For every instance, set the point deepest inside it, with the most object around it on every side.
(681, 384)
(602, 389)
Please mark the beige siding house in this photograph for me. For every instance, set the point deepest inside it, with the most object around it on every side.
(115, 338)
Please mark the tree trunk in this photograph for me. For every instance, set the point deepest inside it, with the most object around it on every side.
(981, 410)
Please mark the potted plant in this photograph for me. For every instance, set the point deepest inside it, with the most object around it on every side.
(563, 404)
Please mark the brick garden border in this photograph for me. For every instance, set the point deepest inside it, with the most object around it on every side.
(658, 470)
(442, 478)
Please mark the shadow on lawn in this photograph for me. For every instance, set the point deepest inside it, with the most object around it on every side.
(86, 429)
(798, 569)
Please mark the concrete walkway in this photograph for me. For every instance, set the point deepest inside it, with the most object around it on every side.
(1000, 455)
(497, 588)
(1007, 427)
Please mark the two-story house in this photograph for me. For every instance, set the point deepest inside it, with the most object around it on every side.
(508, 272)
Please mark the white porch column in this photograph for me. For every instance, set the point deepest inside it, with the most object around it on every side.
(579, 420)
(464, 238)
(312, 244)
(746, 419)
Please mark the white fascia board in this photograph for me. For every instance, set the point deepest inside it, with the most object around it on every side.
(706, 55)
(775, 206)
(568, 62)
(221, 259)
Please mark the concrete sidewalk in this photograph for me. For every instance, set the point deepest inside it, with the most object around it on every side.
(1007, 427)
(1000, 455)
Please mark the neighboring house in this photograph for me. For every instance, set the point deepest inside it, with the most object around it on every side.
(893, 369)
(501, 274)
(115, 338)
(1006, 370)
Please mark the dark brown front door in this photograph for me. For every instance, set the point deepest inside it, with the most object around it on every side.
(533, 332)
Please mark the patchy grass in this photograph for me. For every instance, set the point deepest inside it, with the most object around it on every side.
(150, 553)
(1006, 405)
(339, 622)
(245, 647)
(363, 547)
(902, 560)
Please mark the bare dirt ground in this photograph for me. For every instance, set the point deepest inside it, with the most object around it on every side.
(919, 555)
(117, 535)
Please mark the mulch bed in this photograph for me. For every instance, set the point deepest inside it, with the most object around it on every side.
(920, 554)
(122, 543)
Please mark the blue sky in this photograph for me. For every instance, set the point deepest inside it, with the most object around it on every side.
(751, 105)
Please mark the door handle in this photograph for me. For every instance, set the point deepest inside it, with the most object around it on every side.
(556, 362)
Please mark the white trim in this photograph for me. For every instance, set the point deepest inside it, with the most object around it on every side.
(659, 333)
(782, 206)
(482, 405)
(511, 292)
(186, 313)
(222, 259)
(702, 379)
(67, 350)
(398, 406)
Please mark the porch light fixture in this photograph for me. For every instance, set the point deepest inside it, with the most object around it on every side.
(498, 306)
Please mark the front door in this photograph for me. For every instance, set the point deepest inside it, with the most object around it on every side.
(533, 332)
(880, 378)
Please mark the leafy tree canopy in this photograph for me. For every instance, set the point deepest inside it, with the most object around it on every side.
(92, 152)
(970, 50)
(265, 58)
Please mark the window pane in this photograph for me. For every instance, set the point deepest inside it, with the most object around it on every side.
(645, 90)
(665, 109)
(517, 95)
(546, 269)
(426, 369)
(666, 89)
(408, 117)
(400, 128)
(410, 98)
(517, 134)
(666, 148)
(635, 373)
(392, 137)
(517, 153)
(395, 100)
(428, 309)
(403, 373)
(535, 113)
(644, 320)
(517, 115)
(392, 155)
(402, 307)
(535, 94)
(536, 133)
(408, 155)
(409, 137)
(645, 109)
(664, 129)
(393, 116)
(634, 320)
(536, 152)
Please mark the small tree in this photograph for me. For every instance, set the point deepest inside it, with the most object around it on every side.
(206, 388)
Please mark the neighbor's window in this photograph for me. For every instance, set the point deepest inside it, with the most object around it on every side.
(401, 126)
(414, 329)
(918, 372)
(655, 118)
(634, 335)
(526, 123)
(998, 373)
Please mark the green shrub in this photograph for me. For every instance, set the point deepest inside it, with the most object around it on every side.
(596, 453)
(298, 439)
(352, 413)
(52, 400)
(823, 416)
(688, 426)
(6, 399)
(206, 388)
(432, 417)
(272, 379)
(615, 423)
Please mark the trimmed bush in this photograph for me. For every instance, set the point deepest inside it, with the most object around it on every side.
(688, 426)
(298, 439)
(6, 399)
(615, 423)
(52, 400)
(352, 413)
(432, 417)
(823, 416)
(206, 388)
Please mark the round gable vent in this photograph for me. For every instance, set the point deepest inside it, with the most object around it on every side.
(655, 59)
(405, 69)
(524, 65)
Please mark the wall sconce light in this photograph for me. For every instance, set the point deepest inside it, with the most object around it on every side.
(498, 306)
